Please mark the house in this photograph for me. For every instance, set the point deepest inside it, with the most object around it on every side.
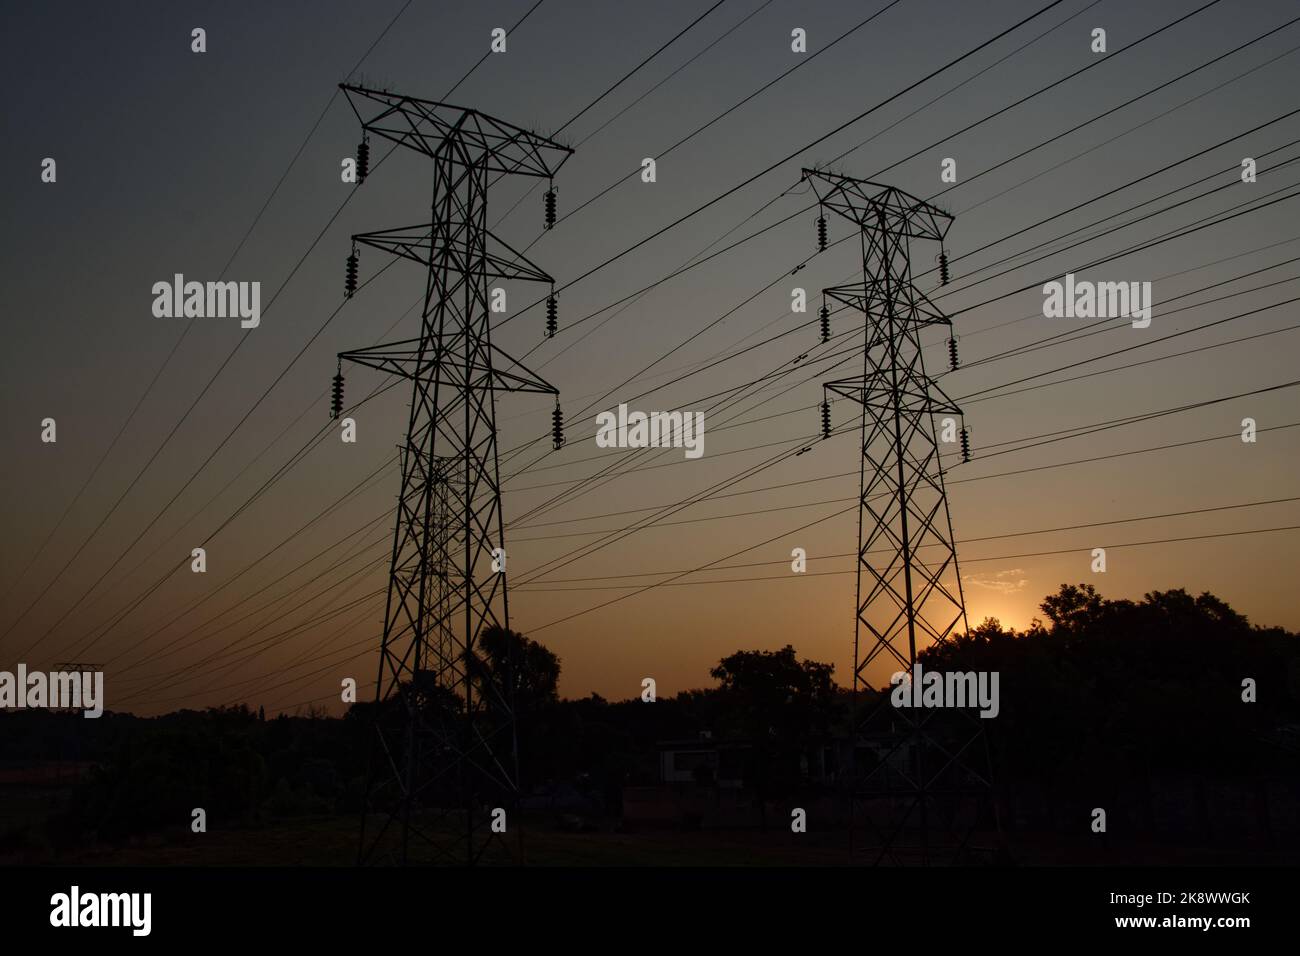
(702, 759)
(721, 762)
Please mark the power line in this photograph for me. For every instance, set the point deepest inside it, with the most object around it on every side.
(1036, 441)
(975, 540)
(481, 60)
(680, 33)
(627, 76)
(1095, 328)
(1139, 247)
(172, 646)
(1000, 557)
(1018, 351)
(1094, 63)
(1125, 225)
(188, 482)
(846, 474)
(297, 458)
(1143, 124)
(770, 285)
(1130, 348)
(1214, 438)
(186, 331)
(172, 676)
(734, 189)
(1221, 85)
(803, 61)
(315, 439)
(239, 344)
(730, 30)
(296, 357)
(1076, 462)
(319, 618)
(1036, 93)
(1180, 444)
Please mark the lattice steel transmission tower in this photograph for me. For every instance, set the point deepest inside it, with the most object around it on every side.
(445, 753)
(920, 782)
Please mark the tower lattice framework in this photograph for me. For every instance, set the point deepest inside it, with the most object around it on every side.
(444, 764)
(920, 785)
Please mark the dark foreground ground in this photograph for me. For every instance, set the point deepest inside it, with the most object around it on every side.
(331, 841)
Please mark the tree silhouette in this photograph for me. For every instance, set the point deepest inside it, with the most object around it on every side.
(514, 664)
(782, 707)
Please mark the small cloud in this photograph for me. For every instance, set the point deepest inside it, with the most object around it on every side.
(1004, 582)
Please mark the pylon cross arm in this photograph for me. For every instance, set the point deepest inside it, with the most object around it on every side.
(408, 359)
(873, 205)
(417, 243)
(460, 134)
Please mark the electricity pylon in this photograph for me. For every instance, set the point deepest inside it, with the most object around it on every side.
(920, 778)
(443, 776)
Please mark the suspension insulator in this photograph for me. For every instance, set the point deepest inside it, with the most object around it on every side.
(943, 268)
(552, 316)
(557, 428)
(952, 353)
(825, 314)
(363, 159)
(821, 233)
(550, 208)
(336, 400)
(350, 277)
(826, 419)
(965, 445)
